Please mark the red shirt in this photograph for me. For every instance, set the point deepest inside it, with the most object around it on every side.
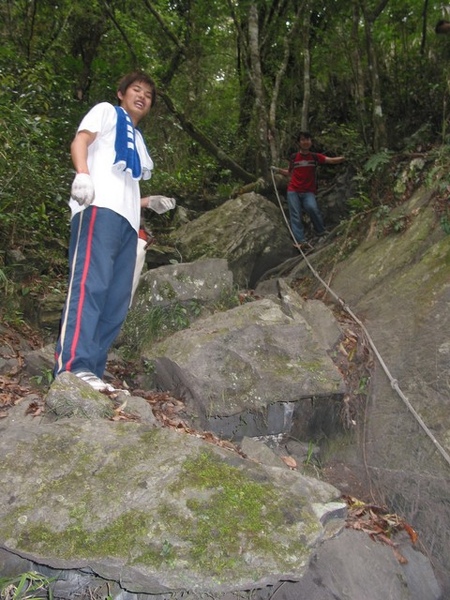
(302, 168)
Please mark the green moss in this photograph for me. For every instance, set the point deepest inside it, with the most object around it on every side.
(199, 251)
(231, 514)
(157, 554)
(183, 278)
(229, 298)
(117, 539)
(166, 291)
(220, 520)
(77, 536)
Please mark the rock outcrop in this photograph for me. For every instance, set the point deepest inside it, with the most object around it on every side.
(163, 511)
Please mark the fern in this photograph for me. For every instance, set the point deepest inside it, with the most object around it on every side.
(376, 161)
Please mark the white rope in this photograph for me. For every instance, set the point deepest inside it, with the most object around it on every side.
(393, 382)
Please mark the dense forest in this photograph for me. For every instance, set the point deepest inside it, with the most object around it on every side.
(236, 81)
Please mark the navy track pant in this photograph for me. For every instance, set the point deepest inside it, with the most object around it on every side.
(102, 255)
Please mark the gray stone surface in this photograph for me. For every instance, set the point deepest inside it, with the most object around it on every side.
(153, 508)
(351, 566)
(242, 367)
(258, 451)
(69, 396)
(203, 281)
(247, 231)
(39, 362)
(398, 286)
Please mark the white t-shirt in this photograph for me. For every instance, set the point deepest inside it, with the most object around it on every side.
(115, 190)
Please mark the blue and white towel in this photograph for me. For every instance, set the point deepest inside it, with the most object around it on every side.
(131, 153)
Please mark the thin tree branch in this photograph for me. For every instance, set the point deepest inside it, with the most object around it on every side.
(110, 13)
(196, 134)
(424, 27)
(164, 27)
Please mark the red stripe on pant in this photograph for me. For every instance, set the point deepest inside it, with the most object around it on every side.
(87, 263)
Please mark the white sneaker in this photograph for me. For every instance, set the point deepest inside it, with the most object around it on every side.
(98, 384)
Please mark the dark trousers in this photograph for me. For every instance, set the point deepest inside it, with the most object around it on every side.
(102, 255)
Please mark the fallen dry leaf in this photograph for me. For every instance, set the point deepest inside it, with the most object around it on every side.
(411, 532)
(120, 408)
(377, 523)
(399, 556)
(289, 461)
(35, 409)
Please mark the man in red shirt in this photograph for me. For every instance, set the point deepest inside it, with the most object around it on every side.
(302, 187)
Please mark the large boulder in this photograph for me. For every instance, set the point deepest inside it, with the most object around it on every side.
(248, 231)
(398, 284)
(204, 282)
(152, 508)
(139, 510)
(251, 370)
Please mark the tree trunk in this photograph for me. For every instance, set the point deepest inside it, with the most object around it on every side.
(281, 72)
(256, 77)
(378, 119)
(424, 28)
(306, 69)
(358, 74)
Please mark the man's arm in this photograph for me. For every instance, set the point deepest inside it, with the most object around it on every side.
(79, 150)
(160, 204)
(334, 160)
(284, 172)
(83, 190)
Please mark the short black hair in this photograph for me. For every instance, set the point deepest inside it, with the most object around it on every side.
(140, 77)
(442, 26)
(304, 134)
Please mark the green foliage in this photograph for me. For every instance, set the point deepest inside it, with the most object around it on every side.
(359, 203)
(310, 454)
(390, 221)
(157, 323)
(32, 182)
(438, 176)
(363, 385)
(54, 64)
(45, 379)
(197, 176)
(28, 586)
(342, 139)
(183, 184)
(378, 161)
(11, 311)
(6, 285)
(445, 224)
(229, 298)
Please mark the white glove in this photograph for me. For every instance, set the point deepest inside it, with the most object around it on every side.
(272, 168)
(161, 204)
(83, 189)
